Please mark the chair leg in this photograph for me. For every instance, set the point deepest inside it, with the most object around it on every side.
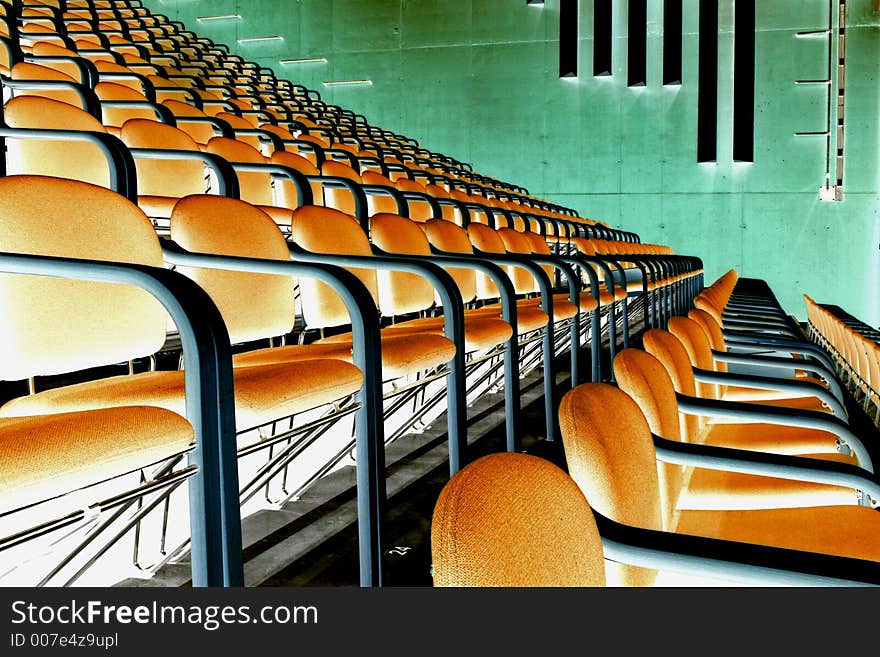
(512, 402)
(456, 412)
(596, 345)
(549, 382)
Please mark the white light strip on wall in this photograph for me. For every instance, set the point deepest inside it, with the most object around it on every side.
(305, 60)
(338, 83)
(222, 17)
(256, 39)
(810, 33)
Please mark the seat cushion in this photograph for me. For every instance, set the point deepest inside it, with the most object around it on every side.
(721, 489)
(771, 438)
(45, 456)
(620, 293)
(563, 308)
(481, 331)
(262, 393)
(281, 216)
(586, 302)
(636, 287)
(606, 298)
(157, 206)
(773, 397)
(403, 355)
(529, 317)
(847, 531)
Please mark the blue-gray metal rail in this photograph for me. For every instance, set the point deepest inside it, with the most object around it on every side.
(215, 518)
(367, 356)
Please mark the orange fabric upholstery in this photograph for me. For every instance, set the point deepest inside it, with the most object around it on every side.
(514, 520)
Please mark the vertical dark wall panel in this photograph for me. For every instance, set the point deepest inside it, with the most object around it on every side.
(637, 46)
(672, 42)
(744, 81)
(602, 37)
(707, 96)
(568, 38)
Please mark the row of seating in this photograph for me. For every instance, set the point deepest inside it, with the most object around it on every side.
(855, 348)
(683, 487)
(156, 180)
(410, 284)
(66, 74)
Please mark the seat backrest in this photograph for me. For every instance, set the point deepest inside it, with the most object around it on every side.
(60, 158)
(286, 194)
(340, 199)
(63, 64)
(325, 230)
(97, 52)
(255, 187)
(116, 91)
(610, 455)
(133, 83)
(253, 306)
(812, 308)
(713, 332)
(499, 218)
(449, 211)
(537, 243)
(702, 302)
(131, 58)
(644, 378)
(418, 210)
(460, 195)
(238, 123)
(452, 238)
(282, 132)
(646, 381)
(479, 214)
(116, 116)
(52, 325)
(583, 244)
(514, 520)
(170, 178)
(487, 239)
(437, 191)
(379, 203)
(860, 357)
(669, 350)
(201, 133)
(89, 41)
(7, 54)
(716, 295)
(518, 242)
(723, 287)
(401, 292)
(302, 147)
(32, 31)
(247, 109)
(514, 241)
(30, 71)
(314, 139)
(872, 357)
(167, 89)
(515, 216)
(699, 351)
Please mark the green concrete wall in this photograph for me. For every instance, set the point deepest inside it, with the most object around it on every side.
(477, 80)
